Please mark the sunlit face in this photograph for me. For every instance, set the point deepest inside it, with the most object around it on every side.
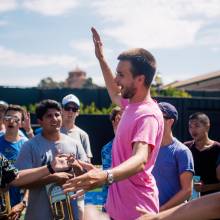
(12, 120)
(125, 80)
(197, 129)
(70, 111)
(51, 121)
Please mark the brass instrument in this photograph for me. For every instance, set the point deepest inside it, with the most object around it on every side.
(5, 206)
(60, 203)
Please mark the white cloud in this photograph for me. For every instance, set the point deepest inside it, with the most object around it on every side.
(50, 7)
(210, 36)
(83, 45)
(10, 57)
(7, 5)
(158, 23)
(86, 48)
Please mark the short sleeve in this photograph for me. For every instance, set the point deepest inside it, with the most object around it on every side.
(80, 152)
(86, 145)
(184, 160)
(146, 130)
(24, 160)
(8, 172)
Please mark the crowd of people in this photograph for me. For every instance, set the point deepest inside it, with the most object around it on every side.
(147, 172)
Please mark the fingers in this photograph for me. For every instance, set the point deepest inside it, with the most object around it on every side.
(95, 34)
(69, 175)
(64, 175)
(67, 188)
(96, 38)
(14, 215)
(75, 184)
(27, 115)
(77, 194)
(86, 166)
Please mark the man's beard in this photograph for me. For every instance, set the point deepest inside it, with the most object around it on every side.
(128, 93)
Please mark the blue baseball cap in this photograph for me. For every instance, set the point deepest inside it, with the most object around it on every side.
(169, 110)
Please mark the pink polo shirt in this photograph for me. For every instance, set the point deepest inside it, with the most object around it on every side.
(140, 122)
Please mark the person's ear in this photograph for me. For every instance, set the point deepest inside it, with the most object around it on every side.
(141, 79)
(171, 122)
(77, 113)
(207, 127)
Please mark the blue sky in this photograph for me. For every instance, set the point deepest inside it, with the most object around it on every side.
(41, 38)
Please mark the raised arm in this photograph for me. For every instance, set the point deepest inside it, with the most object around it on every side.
(113, 89)
(26, 124)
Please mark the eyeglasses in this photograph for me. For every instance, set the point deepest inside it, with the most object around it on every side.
(11, 118)
(69, 108)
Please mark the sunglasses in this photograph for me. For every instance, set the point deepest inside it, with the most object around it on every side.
(69, 108)
(11, 118)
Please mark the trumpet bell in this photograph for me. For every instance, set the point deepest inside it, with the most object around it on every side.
(60, 203)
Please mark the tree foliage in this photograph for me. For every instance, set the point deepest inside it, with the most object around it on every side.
(49, 83)
(170, 92)
(84, 109)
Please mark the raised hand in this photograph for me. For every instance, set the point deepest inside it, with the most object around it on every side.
(75, 165)
(79, 167)
(26, 124)
(98, 44)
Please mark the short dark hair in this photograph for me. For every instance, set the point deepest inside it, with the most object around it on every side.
(142, 61)
(44, 105)
(16, 108)
(201, 117)
(116, 110)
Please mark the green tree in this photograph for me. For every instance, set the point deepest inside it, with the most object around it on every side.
(48, 83)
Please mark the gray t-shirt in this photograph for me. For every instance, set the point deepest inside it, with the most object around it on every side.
(78, 134)
(35, 153)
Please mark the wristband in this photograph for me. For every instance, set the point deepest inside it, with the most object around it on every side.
(49, 167)
(110, 177)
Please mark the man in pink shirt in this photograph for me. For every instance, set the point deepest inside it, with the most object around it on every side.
(137, 139)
